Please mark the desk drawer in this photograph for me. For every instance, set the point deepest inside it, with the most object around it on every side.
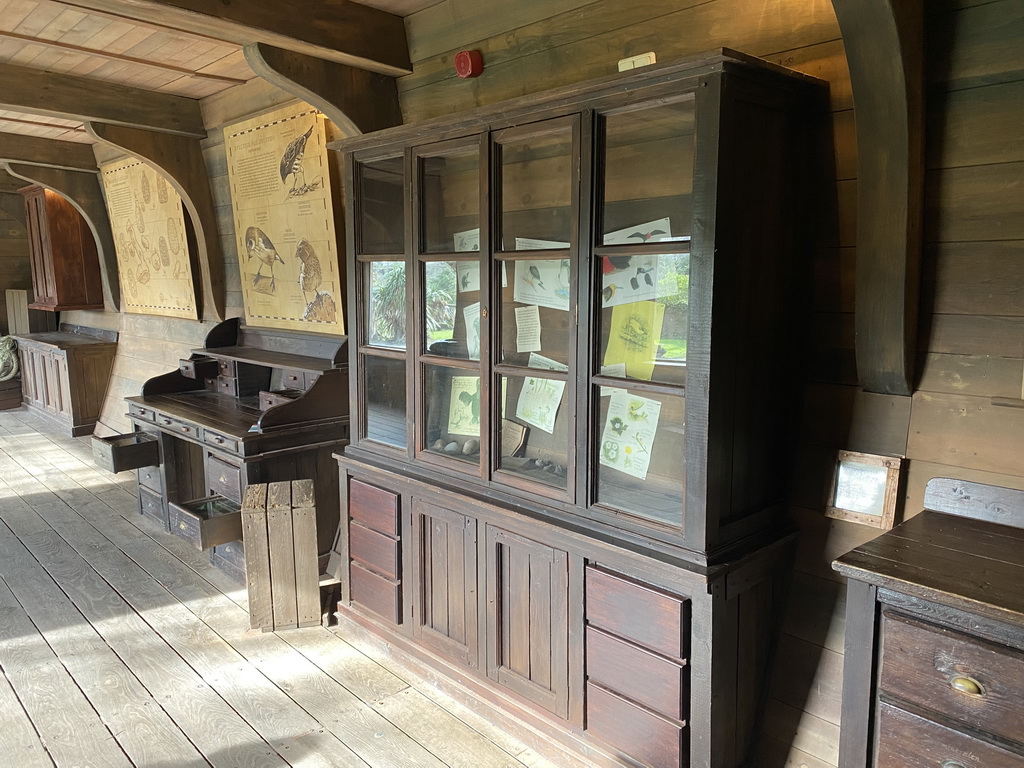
(224, 478)
(128, 451)
(227, 386)
(177, 427)
(654, 681)
(652, 740)
(378, 552)
(198, 368)
(151, 505)
(967, 679)
(373, 507)
(220, 441)
(380, 595)
(637, 612)
(910, 741)
(137, 411)
(149, 477)
(206, 523)
(291, 379)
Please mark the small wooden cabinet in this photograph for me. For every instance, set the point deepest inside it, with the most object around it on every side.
(65, 264)
(65, 374)
(934, 657)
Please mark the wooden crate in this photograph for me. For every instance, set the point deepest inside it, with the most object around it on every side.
(281, 564)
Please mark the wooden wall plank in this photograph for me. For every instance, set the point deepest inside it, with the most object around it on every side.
(976, 126)
(981, 202)
(976, 45)
(979, 375)
(974, 335)
(975, 278)
(851, 419)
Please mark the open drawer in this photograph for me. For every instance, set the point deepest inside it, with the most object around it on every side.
(207, 522)
(128, 451)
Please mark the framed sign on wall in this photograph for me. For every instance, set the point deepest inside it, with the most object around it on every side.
(864, 489)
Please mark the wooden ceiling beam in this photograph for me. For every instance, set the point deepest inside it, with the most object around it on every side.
(51, 153)
(336, 30)
(80, 98)
(355, 100)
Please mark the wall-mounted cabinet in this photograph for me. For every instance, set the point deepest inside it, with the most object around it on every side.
(573, 314)
(65, 264)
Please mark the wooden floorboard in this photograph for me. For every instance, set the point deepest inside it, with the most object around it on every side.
(120, 645)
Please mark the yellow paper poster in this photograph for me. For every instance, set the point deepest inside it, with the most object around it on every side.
(634, 336)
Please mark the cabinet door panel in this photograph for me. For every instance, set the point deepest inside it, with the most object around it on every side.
(444, 561)
(527, 622)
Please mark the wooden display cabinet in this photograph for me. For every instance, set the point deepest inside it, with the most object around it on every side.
(65, 264)
(575, 336)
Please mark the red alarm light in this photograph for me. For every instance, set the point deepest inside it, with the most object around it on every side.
(469, 63)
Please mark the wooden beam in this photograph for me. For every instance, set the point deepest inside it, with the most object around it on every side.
(52, 153)
(179, 159)
(356, 100)
(884, 50)
(82, 190)
(81, 98)
(337, 30)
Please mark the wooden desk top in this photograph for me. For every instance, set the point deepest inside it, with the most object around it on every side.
(229, 415)
(969, 564)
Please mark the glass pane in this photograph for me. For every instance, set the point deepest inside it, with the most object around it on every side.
(535, 425)
(381, 209)
(452, 412)
(536, 192)
(644, 316)
(648, 174)
(537, 329)
(451, 307)
(450, 201)
(641, 454)
(385, 309)
(384, 388)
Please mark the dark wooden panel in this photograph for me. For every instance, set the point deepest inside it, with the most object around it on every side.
(911, 741)
(646, 678)
(976, 278)
(380, 595)
(637, 612)
(920, 662)
(373, 507)
(224, 478)
(151, 505)
(976, 203)
(377, 552)
(652, 740)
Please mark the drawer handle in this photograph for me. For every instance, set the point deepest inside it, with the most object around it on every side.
(222, 479)
(967, 685)
(184, 429)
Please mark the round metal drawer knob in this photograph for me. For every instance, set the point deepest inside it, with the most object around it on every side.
(967, 685)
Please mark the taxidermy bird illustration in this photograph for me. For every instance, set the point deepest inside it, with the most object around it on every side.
(259, 246)
(310, 275)
(645, 236)
(291, 160)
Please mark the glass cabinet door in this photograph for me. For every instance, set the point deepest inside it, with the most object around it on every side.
(641, 280)
(380, 191)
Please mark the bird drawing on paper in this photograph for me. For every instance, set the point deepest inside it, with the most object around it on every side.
(259, 246)
(533, 278)
(608, 291)
(291, 160)
(310, 275)
(645, 274)
(645, 236)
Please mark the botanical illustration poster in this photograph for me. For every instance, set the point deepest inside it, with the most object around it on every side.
(544, 283)
(464, 409)
(633, 338)
(539, 401)
(629, 430)
(148, 224)
(284, 221)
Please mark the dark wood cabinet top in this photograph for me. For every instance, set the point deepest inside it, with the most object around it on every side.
(62, 340)
(970, 564)
(269, 358)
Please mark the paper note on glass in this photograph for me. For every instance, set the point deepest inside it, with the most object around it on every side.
(627, 440)
(471, 314)
(531, 244)
(464, 409)
(633, 337)
(527, 328)
(467, 275)
(545, 283)
(615, 369)
(539, 361)
(655, 231)
(538, 403)
(467, 241)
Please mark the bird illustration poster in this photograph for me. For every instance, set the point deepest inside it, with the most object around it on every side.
(627, 441)
(148, 224)
(288, 256)
(464, 408)
(633, 338)
(655, 231)
(543, 282)
(538, 403)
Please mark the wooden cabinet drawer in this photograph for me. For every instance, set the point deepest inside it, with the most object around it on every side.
(198, 368)
(923, 664)
(637, 674)
(291, 379)
(224, 478)
(310, 379)
(226, 368)
(380, 595)
(128, 451)
(178, 427)
(227, 386)
(151, 505)
(141, 412)
(377, 552)
(637, 612)
(207, 522)
(373, 507)
(220, 441)
(150, 477)
(652, 740)
(268, 399)
(910, 741)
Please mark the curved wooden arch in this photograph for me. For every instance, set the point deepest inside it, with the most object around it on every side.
(884, 42)
(179, 160)
(356, 100)
(82, 190)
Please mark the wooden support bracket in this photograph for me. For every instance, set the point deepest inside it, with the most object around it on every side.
(356, 100)
(179, 159)
(53, 153)
(884, 49)
(82, 190)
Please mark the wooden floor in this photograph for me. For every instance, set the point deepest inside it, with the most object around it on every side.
(121, 646)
